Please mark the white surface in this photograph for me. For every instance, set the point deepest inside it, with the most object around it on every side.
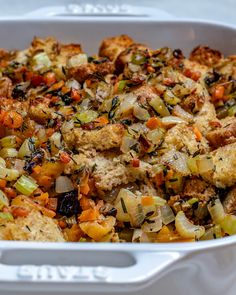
(219, 10)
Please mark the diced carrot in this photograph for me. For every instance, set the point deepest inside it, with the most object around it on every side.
(50, 132)
(159, 179)
(65, 158)
(75, 95)
(74, 233)
(3, 183)
(168, 82)
(65, 89)
(2, 115)
(88, 82)
(62, 224)
(57, 85)
(218, 93)
(20, 212)
(84, 203)
(12, 120)
(89, 215)
(197, 133)
(147, 201)
(84, 188)
(101, 121)
(115, 88)
(44, 180)
(48, 212)
(135, 163)
(10, 192)
(169, 174)
(37, 169)
(194, 75)
(154, 123)
(150, 69)
(49, 78)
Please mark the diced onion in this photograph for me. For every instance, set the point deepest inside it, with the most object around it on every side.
(181, 113)
(172, 120)
(63, 185)
(212, 233)
(159, 106)
(228, 224)
(2, 162)
(4, 202)
(159, 201)
(153, 224)
(26, 185)
(9, 174)
(140, 113)
(86, 116)
(177, 161)
(56, 139)
(8, 153)
(72, 83)
(156, 135)
(129, 208)
(41, 62)
(186, 229)
(205, 164)
(8, 141)
(167, 214)
(26, 148)
(170, 98)
(126, 143)
(216, 211)
(77, 60)
(127, 104)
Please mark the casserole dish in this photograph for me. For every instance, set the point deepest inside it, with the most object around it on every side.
(98, 268)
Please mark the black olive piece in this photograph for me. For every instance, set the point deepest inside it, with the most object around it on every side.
(66, 99)
(112, 212)
(214, 77)
(177, 53)
(68, 204)
(18, 93)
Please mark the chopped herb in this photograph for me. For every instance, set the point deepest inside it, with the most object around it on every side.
(123, 205)
(114, 104)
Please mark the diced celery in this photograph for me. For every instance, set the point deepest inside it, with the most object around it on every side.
(26, 185)
(170, 98)
(8, 141)
(6, 216)
(9, 174)
(121, 85)
(8, 153)
(192, 165)
(85, 117)
(41, 62)
(159, 201)
(192, 201)
(159, 106)
(3, 200)
(228, 224)
(232, 111)
(27, 147)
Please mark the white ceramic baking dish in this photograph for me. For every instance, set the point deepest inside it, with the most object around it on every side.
(81, 268)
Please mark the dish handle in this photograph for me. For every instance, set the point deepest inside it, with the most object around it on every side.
(142, 268)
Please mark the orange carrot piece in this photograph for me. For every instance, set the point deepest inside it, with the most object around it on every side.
(12, 120)
(147, 201)
(10, 192)
(197, 133)
(75, 95)
(135, 163)
(64, 157)
(20, 212)
(3, 183)
(84, 203)
(154, 123)
(101, 121)
(89, 215)
(37, 169)
(49, 78)
(219, 93)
